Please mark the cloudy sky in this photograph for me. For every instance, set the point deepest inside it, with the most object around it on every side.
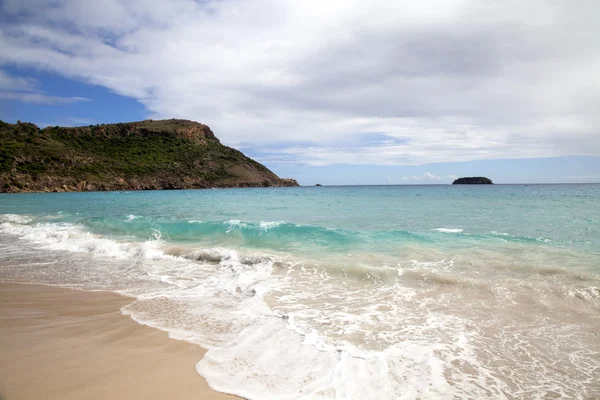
(326, 91)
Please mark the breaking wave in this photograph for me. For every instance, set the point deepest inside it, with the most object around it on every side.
(420, 323)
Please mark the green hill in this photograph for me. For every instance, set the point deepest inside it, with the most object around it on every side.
(144, 155)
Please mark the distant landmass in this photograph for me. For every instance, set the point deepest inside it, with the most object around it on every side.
(476, 180)
(144, 155)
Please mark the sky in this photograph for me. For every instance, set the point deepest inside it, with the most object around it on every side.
(331, 92)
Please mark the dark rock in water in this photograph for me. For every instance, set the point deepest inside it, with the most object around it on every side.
(476, 180)
(318, 184)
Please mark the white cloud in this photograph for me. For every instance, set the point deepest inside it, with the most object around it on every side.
(457, 80)
(26, 90)
(427, 177)
(592, 178)
(9, 82)
(66, 121)
(38, 98)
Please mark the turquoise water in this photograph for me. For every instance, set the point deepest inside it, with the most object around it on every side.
(343, 217)
(341, 292)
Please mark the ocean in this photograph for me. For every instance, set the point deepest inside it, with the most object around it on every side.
(355, 292)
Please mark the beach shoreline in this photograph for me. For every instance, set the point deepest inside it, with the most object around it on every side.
(58, 343)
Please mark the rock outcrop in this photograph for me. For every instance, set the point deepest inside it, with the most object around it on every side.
(144, 155)
(476, 180)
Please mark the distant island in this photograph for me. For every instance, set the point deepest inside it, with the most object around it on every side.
(144, 155)
(476, 180)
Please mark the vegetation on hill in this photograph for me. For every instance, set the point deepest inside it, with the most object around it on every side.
(475, 180)
(167, 154)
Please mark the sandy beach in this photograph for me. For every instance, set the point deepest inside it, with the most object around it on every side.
(65, 344)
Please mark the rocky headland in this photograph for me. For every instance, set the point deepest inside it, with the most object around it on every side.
(144, 155)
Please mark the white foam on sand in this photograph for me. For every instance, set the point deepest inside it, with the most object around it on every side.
(279, 328)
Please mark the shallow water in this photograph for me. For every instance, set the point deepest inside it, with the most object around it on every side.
(389, 292)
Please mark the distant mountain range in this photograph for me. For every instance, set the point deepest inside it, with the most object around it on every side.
(144, 155)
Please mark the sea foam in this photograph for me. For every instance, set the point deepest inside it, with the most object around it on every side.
(448, 230)
(283, 327)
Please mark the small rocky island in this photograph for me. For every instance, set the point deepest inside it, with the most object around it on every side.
(143, 155)
(475, 180)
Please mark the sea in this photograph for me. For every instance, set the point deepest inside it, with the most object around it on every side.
(347, 292)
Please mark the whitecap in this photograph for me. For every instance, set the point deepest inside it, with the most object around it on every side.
(71, 237)
(233, 224)
(448, 230)
(266, 225)
(15, 219)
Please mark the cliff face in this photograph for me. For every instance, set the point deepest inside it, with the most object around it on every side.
(145, 155)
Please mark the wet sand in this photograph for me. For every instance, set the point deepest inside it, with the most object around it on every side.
(66, 344)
